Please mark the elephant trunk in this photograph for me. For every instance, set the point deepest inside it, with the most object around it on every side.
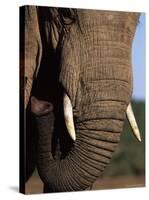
(96, 75)
(97, 139)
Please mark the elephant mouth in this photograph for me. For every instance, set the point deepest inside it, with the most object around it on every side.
(40, 107)
(68, 115)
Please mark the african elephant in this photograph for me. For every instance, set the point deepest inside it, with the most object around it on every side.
(80, 59)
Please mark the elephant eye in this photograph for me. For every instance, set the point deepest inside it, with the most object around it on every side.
(67, 16)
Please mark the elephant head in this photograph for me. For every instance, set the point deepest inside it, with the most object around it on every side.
(93, 79)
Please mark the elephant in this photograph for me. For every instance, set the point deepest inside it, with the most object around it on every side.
(78, 86)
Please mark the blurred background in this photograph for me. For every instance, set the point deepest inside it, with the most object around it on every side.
(127, 168)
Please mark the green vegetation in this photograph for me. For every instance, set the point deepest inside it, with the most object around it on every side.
(129, 160)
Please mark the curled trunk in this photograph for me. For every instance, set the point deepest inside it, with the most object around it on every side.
(97, 139)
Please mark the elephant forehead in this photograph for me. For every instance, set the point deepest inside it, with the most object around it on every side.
(105, 16)
(108, 20)
(88, 16)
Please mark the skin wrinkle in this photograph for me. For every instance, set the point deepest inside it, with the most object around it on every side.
(87, 116)
(91, 155)
(94, 130)
(94, 156)
(63, 178)
(76, 177)
(92, 171)
(85, 174)
(75, 156)
(72, 179)
(77, 79)
(103, 136)
(93, 165)
(78, 170)
(84, 179)
(117, 127)
(106, 86)
(81, 169)
(94, 127)
(105, 145)
(81, 182)
(79, 146)
(67, 182)
(97, 152)
(85, 151)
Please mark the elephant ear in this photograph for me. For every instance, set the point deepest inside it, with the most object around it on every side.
(32, 49)
(131, 23)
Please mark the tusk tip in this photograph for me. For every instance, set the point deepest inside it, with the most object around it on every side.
(68, 115)
(71, 130)
(133, 123)
(139, 138)
(73, 137)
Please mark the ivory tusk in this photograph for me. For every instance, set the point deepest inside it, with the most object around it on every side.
(68, 115)
(133, 123)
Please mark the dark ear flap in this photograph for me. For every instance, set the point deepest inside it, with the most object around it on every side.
(39, 107)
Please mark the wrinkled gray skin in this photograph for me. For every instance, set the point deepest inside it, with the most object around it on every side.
(91, 62)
